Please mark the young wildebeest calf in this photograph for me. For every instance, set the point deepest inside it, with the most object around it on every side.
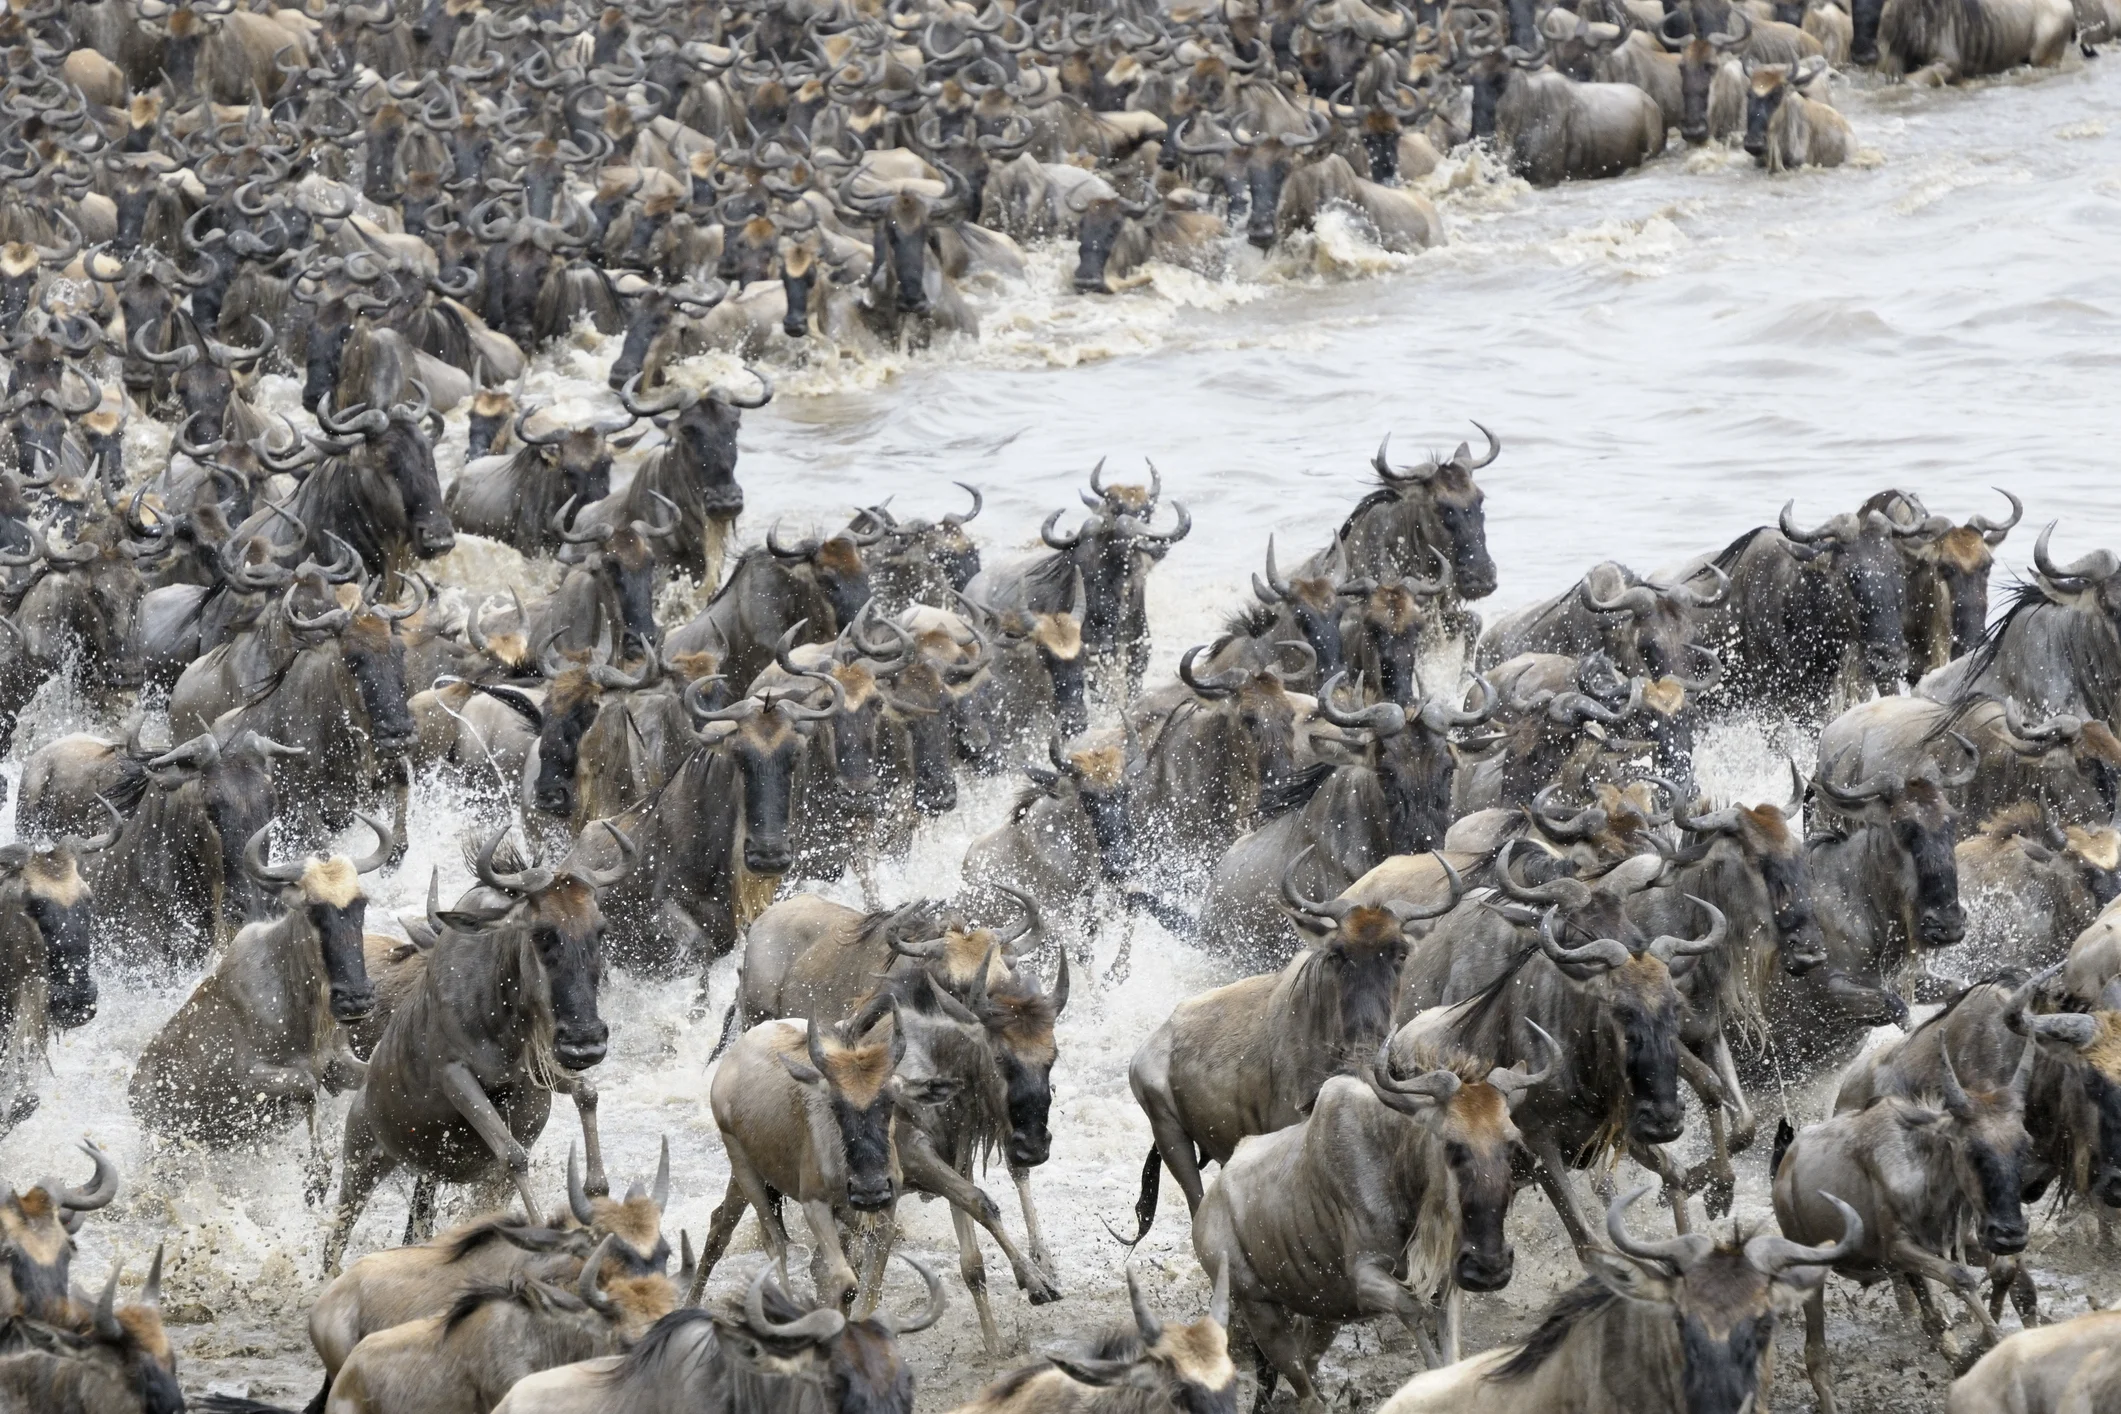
(1389, 1196)
(1919, 1175)
(1150, 1367)
(245, 1055)
(1687, 1325)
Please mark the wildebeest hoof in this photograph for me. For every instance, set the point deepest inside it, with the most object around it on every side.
(1716, 1196)
(1039, 1291)
(989, 1210)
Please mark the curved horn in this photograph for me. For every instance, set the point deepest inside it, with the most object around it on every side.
(586, 1285)
(102, 1185)
(1145, 1322)
(1669, 947)
(254, 861)
(929, 1314)
(1515, 1081)
(605, 878)
(1567, 893)
(385, 842)
(1953, 1093)
(577, 1195)
(1994, 531)
(2098, 565)
(1770, 1255)
(1601, 953)
(1672, 1253)
(1221, 685)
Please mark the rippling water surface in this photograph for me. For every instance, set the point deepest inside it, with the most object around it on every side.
(1667, 358)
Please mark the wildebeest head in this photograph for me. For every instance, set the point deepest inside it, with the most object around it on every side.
(1770, 863)
(633, 1225)
(1651, 625)
(57, 901)
(1392, 620)
(1313, 605)
(1102, 776)
(853, 1366)
(919, 699)
(1985, 1134)
(1434, 504)
(1766, 88)
(853, 1074)
(764, 736)
(1259, 706)
(835, 565)
(572, 705)
(1948, 571)
(1185, 1368)
(129, 1342)
(1861, 551)
(651, 323)
(572, 464)
(905, 228)
(1722, 1297)
(1268, 160)
(2092, 1047)
(236, 787)
(1358, 948)
(325, 892)
(555, 914)
(1106, 220)
(374, 657)
(1921, 824)
(1414, 757)
(2075, 762)
(1481, 1149)
(923, 561)
(1114, 550)
(1629, 975)
(1701, 56)
(37, 1240)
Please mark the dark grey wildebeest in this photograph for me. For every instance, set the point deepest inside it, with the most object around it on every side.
(250, 1048)
(504, 1013)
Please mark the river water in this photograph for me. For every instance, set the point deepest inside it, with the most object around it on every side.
(1667, 358)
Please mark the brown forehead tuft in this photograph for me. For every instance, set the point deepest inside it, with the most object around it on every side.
(858, 1073)
(1646, 972)
(1060, 635)
(17, 259)
(1964, 550)
(144, 1325)
(695, 666)
(2098, 846)
(964, 950)
(644, 1299)
(55, 876)
(796, 258)
(1389, 607)
(1767, 80)
(1769, 825)
(1201, 1353)
(840, 555)
(1133, 498)
(634, 1221)
(1481, 1108)
(856, 681)
(570, 689)
(35, 1204)
(331, 881)
(1101, 766)
(1367, 926)
(2104, 1053)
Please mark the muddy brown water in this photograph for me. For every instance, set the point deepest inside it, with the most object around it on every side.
(1667, 357)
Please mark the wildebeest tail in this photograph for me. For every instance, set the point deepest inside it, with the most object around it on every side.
(1175, 918)
(1785, 1132)
(728, 1032)
(231, 1404)
(1144, 1206)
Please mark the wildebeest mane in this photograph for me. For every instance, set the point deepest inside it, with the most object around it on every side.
(521, 1291)
(1277, 798)
(1252, 621)
(656, 1356)
(1728, 556)
(1585, 1301)
(2092, 666)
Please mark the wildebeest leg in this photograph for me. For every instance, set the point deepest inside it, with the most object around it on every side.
(925, 1172)
(1714, 1175)
(1744, 1123)
(1933, 1325)
(865, 875)
(1279, 1339)
(831, 1272)
(1175, 1145)
(972, 1267)
(1451, 1322)
(1919, 1262)
(1815, 1356)
(1122, 959)
(420, 1216)
(1554, 1182)
(1378, 1293)
(2025, 1296)
(1036, 1235)
(879, 1236)
(463, 1091)
(400, 800)
(365, 1165)
(1657, 1161)
(719, 1231)
(584, 1091)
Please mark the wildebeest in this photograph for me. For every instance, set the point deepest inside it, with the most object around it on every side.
(1248, 1058)
(504, 1013)
(465, 1361)
(47, 913)
(389, 1288)
(1808, 608)
(370, 479)
(1589, 977)
(2069, 1367)
(2030, 885)
(778, 1352)
(517, 498)
(1151, 1365)
(1553, 129)
(248, 1051)
(1070, 830)
(2053, 652)
(1931, 1175)
(1356, 1212)
(1391, 796)
(807, 1112)
(1430, 510)
(37, 1227)
(117, 1361)
(714, 840)
(1685, 1326)
(1786, 127)
(817, 585)
(330, 680)
(1641, 625)
(1946, 42)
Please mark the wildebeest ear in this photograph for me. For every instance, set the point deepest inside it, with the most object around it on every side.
(803, 1074)
(532, 1239)
(1103, 1374)
(1626, 1280)
(470, 920)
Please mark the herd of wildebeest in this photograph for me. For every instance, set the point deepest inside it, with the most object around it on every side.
(1496, 932)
